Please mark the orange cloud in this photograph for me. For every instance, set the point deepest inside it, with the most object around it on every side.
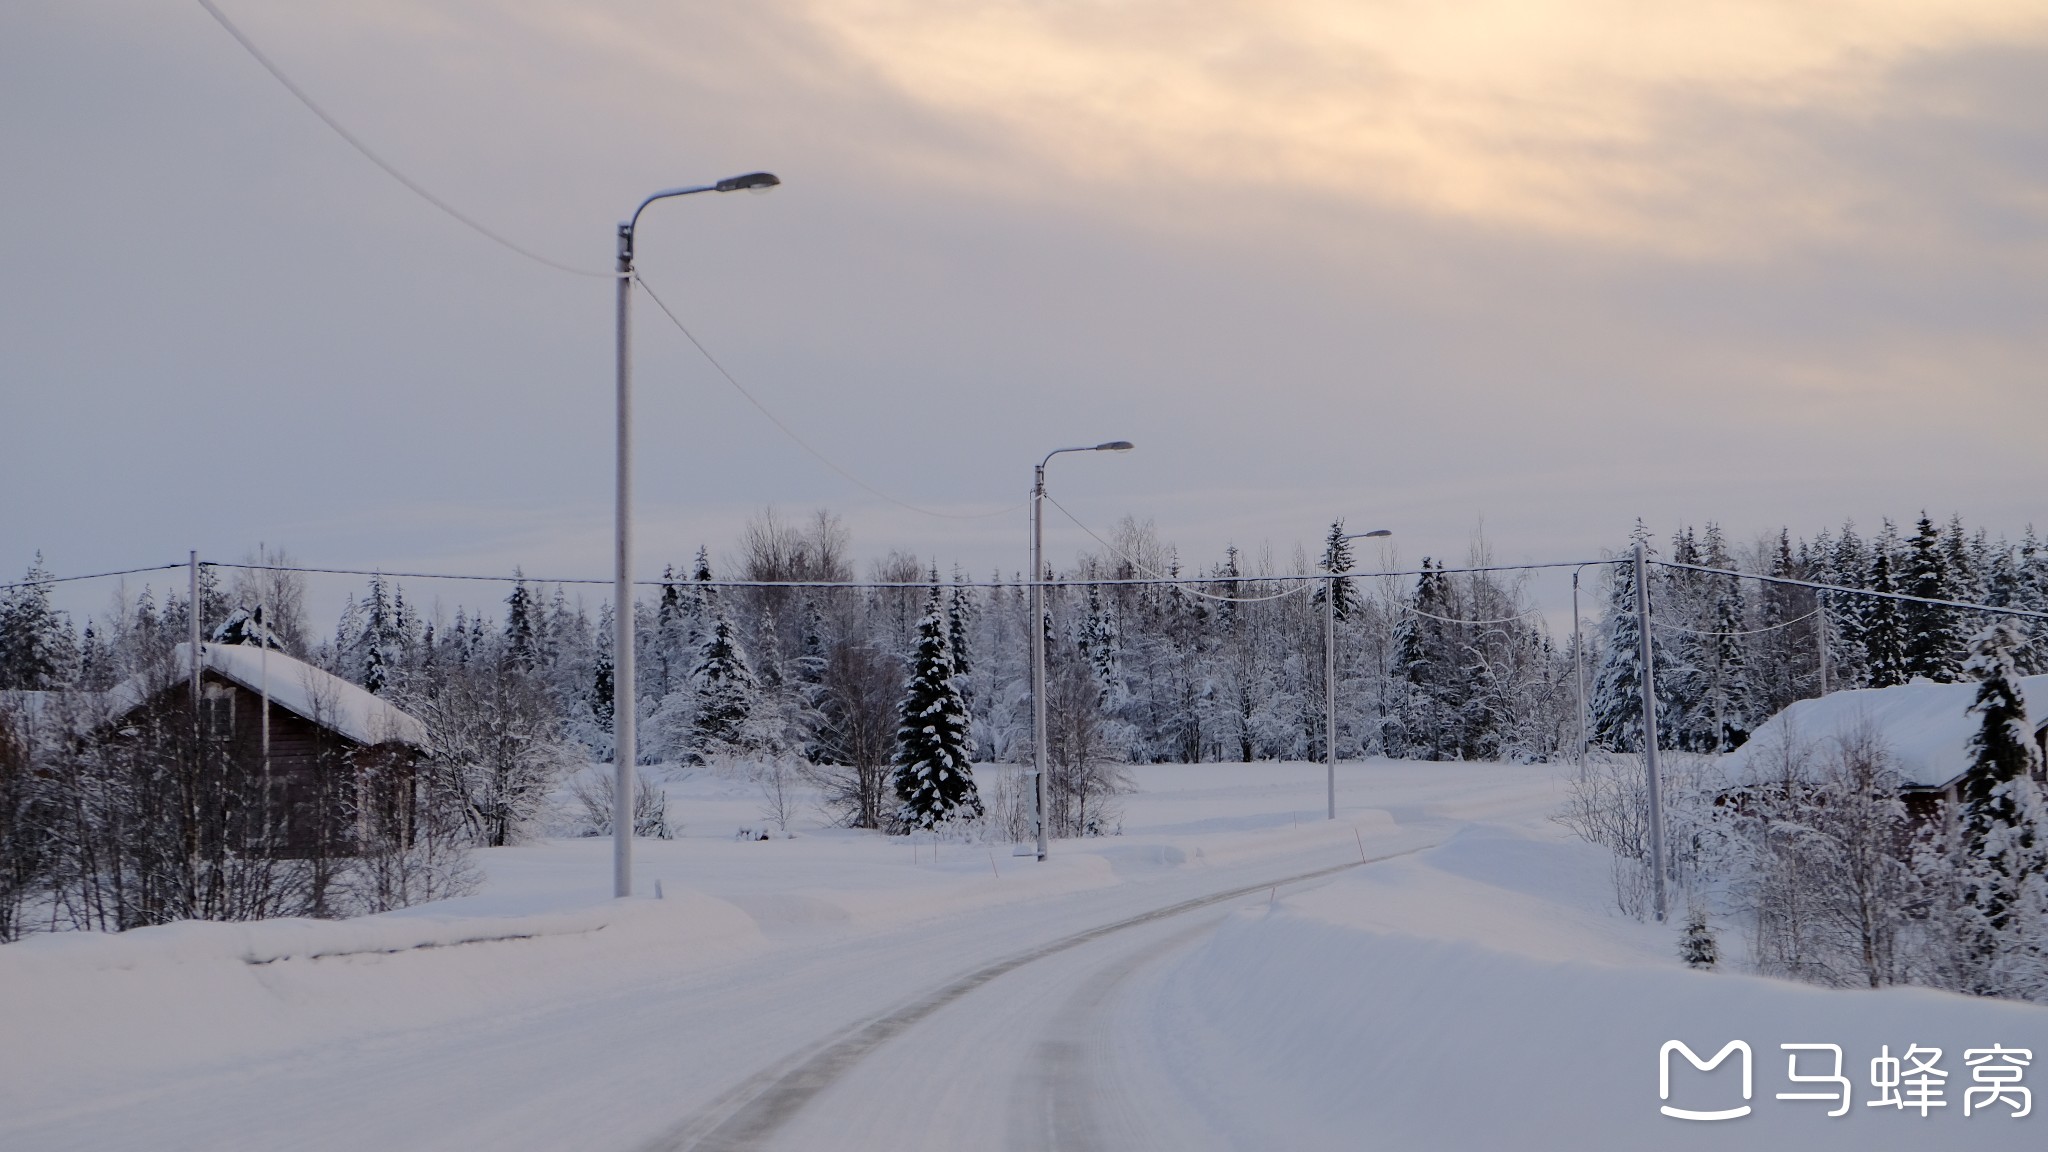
(1554, 117)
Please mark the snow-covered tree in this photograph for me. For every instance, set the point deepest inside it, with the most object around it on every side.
(727, 696)
(247, 626)
(2000, 840)
(934, 779)
(522, 632)
(1932, 648)
(1697, 946)
(37, 650)
(1883, 622)
(1616, 710)
(1337, 561)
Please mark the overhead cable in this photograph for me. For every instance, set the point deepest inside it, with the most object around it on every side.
(1305, 579)
(89, 576)
(786, 430)
(389, 169)
(1141, 566)
(1453, 620)
(1993, 609)
(1669, 627)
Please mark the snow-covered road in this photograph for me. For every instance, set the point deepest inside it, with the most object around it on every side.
(1024, 1036)
(1229, 973)
(663, 1027)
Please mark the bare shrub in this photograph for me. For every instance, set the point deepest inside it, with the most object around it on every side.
(778, 779)
(855, 738)
(1082, 775)
(592, 793)
(1825, 862)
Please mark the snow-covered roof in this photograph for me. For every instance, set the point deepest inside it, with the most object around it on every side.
(1926, 727)
(298, 688)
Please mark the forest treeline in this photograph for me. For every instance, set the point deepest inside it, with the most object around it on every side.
(1227, 665)
(1220, 661)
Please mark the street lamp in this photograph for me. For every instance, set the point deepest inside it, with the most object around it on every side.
(1330, 670)
(623, 749)
(1038, 628)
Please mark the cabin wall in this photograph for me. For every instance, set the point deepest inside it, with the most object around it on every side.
(315, 792)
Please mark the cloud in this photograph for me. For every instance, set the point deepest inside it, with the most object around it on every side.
(1555, 118)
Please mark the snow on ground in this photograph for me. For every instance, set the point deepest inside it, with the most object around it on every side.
(1470, 988)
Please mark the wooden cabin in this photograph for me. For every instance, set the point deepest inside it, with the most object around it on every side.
(1924, 727)
(333, 771)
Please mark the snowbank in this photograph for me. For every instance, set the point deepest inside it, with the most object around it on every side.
(189, 994)
(1474, 997)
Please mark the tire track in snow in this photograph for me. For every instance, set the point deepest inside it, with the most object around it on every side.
(747, 1116)
(1059, 1105)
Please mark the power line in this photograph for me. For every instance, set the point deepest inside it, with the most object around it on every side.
(1134, 562)
(89, 576)
(786, 430)
(1656, 623)
(1055, 582)
(1453, 620)
(369, 154)
(1994, 609)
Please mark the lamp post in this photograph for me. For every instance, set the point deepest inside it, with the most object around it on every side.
(1330, 671)
(623, 749)
(1038, 629)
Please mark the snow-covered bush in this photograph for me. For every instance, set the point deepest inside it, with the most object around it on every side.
(1697, 945)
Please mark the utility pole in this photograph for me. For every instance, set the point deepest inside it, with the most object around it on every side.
(192, 627)
(1038, 722)
(1579, 667)
(1820, 632)
(1650, 730)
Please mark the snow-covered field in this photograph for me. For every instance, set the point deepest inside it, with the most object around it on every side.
(1466, 987)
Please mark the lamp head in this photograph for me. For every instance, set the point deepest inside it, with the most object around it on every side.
(1114, 446)
(1379, 532)
(752, 182)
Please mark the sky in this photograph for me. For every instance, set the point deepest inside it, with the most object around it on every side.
(1531, 270)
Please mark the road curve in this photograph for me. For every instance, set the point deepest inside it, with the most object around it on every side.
(749, 1117)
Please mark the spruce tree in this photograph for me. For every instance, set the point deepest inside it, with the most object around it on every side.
(602, 707)
(666, 652)
(522, 640)
(1848, 566)
(2030, 593)
(726, 695)
(36, 646)
(813, 649)
(1428, 708)
(933, 777)
(1689, 689)
(957, 613)
(2000, 836)
(1884, 623)
(1337, 561)
(1786, 668)
(1616, 710)
(1697, 946)
(1932, 649)
(1733, 702)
